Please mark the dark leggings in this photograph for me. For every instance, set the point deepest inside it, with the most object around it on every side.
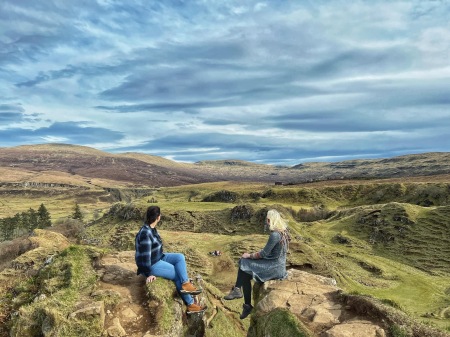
(243, 280)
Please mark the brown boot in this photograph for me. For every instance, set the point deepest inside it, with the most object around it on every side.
(189, 288)
(195, 308)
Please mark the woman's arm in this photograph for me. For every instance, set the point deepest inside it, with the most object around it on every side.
(274, 238)
(144, 253)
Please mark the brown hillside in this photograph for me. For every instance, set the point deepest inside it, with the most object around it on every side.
(144, 170)
(91, 163)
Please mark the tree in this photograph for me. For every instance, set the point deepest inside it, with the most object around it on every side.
(7, 228)
(44, 219)
(77, 213)
(31, 217)
(18, 221)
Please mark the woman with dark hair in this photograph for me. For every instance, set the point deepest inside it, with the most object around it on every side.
(267, 264)
(152, 261)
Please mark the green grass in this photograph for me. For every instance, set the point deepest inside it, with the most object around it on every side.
(64, 282)
(380, 270)
(383, 270)
(406, 264)
(278, 323)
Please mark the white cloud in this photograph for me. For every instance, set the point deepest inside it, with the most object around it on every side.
(274, 81)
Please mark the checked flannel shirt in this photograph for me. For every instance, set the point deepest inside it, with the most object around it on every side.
(149, 249)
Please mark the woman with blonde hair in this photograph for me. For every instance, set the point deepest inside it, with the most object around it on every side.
(267, 264)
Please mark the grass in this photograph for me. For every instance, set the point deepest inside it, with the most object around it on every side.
(398, 254)
(63, 282)
(379, 270)
(384, 271)
(59, 206)
(278, 323)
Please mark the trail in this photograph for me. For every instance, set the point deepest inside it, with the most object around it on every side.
(130, 316)
(118, 274)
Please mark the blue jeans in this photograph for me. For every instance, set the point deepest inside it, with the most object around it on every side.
(172, 266)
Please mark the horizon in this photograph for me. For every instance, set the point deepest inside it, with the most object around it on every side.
(269, 82)
(226, 159)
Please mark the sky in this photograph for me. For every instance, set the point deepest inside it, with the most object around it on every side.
(273, 82)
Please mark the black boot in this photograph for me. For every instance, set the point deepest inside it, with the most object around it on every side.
(246, 310)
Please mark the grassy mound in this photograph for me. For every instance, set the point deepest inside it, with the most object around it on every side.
(48, 299)
(278, 323)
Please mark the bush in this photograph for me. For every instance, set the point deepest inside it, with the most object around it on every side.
(318, 212)
(71, 228)
(221, 196)
(125, 212)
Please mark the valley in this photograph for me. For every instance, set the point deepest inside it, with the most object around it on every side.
(377, 231)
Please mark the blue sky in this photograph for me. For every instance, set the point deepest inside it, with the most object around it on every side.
(276, 82)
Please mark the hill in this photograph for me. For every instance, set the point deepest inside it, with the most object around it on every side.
(151, 171)
(433, 163)
(62, 175)
(384, 239)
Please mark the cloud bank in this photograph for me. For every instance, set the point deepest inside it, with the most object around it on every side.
(264, 81)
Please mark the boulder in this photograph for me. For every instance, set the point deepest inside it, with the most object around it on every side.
(90, 311)
(306, 305)
(355, 329)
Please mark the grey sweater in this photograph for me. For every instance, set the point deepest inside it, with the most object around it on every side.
(272, 264)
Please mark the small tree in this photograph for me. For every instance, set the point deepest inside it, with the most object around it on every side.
(44, 219)
(7, 228)
(31, 217)
(77, 213)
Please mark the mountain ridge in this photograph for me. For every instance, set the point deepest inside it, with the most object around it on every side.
(148, 170)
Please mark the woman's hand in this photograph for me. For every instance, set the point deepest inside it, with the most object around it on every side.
(150, 279)
(246, 256)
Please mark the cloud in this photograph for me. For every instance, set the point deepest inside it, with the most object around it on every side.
(67, 132)
(270, 81)
(10, 113)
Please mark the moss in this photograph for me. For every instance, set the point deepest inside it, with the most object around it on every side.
(222, 326)
(68, 279)
(161, 303)
(278, 323)
(397, 331)
(109, 297)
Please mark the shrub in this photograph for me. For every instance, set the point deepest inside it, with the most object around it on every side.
(125, 212)
(318, 212)
(221, 196)
(71, 228)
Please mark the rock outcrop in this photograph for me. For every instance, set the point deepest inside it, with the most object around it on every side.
(308, 305)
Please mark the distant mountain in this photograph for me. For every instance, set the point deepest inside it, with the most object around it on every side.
(138, 169)
(432, 163)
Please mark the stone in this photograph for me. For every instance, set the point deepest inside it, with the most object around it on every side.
(91, 311)
(273, 300)
(129, 314)
(313, 301)
(116, 330)
(355, 329)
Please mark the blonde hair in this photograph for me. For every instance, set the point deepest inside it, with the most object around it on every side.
(276, 222)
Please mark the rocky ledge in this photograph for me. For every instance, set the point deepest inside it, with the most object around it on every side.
(307, 305)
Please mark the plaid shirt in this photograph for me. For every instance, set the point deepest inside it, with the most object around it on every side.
(149, 249)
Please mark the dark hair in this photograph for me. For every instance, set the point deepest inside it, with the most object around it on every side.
(153, 212)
